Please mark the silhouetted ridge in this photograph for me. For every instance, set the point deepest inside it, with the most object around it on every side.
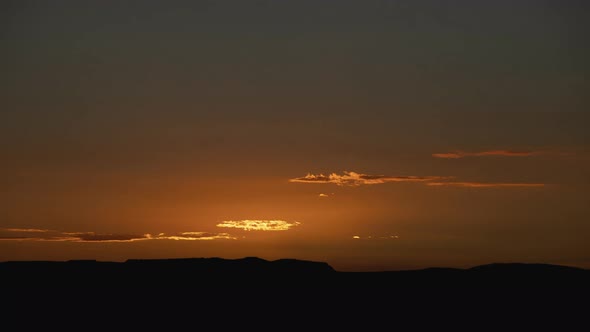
(243, 265)
(522, 267)
(253, 272)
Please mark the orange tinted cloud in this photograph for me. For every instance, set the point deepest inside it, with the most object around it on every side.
(26, 230)
(17, 234)
(491, 153)
(357, 179)
(371, 237)
(486, 185)
(197, 236)
(97, 237)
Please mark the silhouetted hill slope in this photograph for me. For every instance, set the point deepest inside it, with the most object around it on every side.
(525, 268)
(495, 275)
(283, 273)
(299, 293)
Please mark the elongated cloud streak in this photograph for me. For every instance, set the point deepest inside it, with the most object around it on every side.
(94, 237)
(18, 234)
(26, 230)
(371, 237)
(356, 179)
(491, 153)
(486, 185)
(259, 225)
(194, 236)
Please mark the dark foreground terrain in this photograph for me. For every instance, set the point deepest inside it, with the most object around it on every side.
(252, 272)
(283, 295)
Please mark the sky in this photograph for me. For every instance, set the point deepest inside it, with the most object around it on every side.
(371, 135)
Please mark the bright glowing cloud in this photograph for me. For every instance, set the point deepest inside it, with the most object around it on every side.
(491, 153)
(324, 195)
(356, 179)
(259, 225)
(16, 234)
(486, 185)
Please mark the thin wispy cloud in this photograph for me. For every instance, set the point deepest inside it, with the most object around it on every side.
(371, 237)
(26, 230)
(197, 236)
(486, 185)
(39, 238)
(18, 234)
(357, 179)
(490, 153)
(106, 237)
(259, 225)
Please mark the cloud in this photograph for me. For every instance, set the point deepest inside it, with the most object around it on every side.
(324, 195)
(490, 153)
(486, 185)
(26, 230)
(34, 234)
(259, 225)
(17, 234)
(197, 236)
(370, 237)
(356, 179)
(106, 237)
(39, 238)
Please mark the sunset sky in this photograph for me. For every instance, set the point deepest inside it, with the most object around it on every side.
(372, 135)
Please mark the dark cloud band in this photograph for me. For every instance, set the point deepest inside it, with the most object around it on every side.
(16, 234)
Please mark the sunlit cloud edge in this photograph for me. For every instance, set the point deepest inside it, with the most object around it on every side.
(259, 225)
(92, 237)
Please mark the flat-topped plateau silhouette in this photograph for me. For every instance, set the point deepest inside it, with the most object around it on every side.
(282, 273)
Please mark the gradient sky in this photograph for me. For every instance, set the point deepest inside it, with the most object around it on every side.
(368, 134)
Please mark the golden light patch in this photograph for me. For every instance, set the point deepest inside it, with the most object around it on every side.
(259, 225)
